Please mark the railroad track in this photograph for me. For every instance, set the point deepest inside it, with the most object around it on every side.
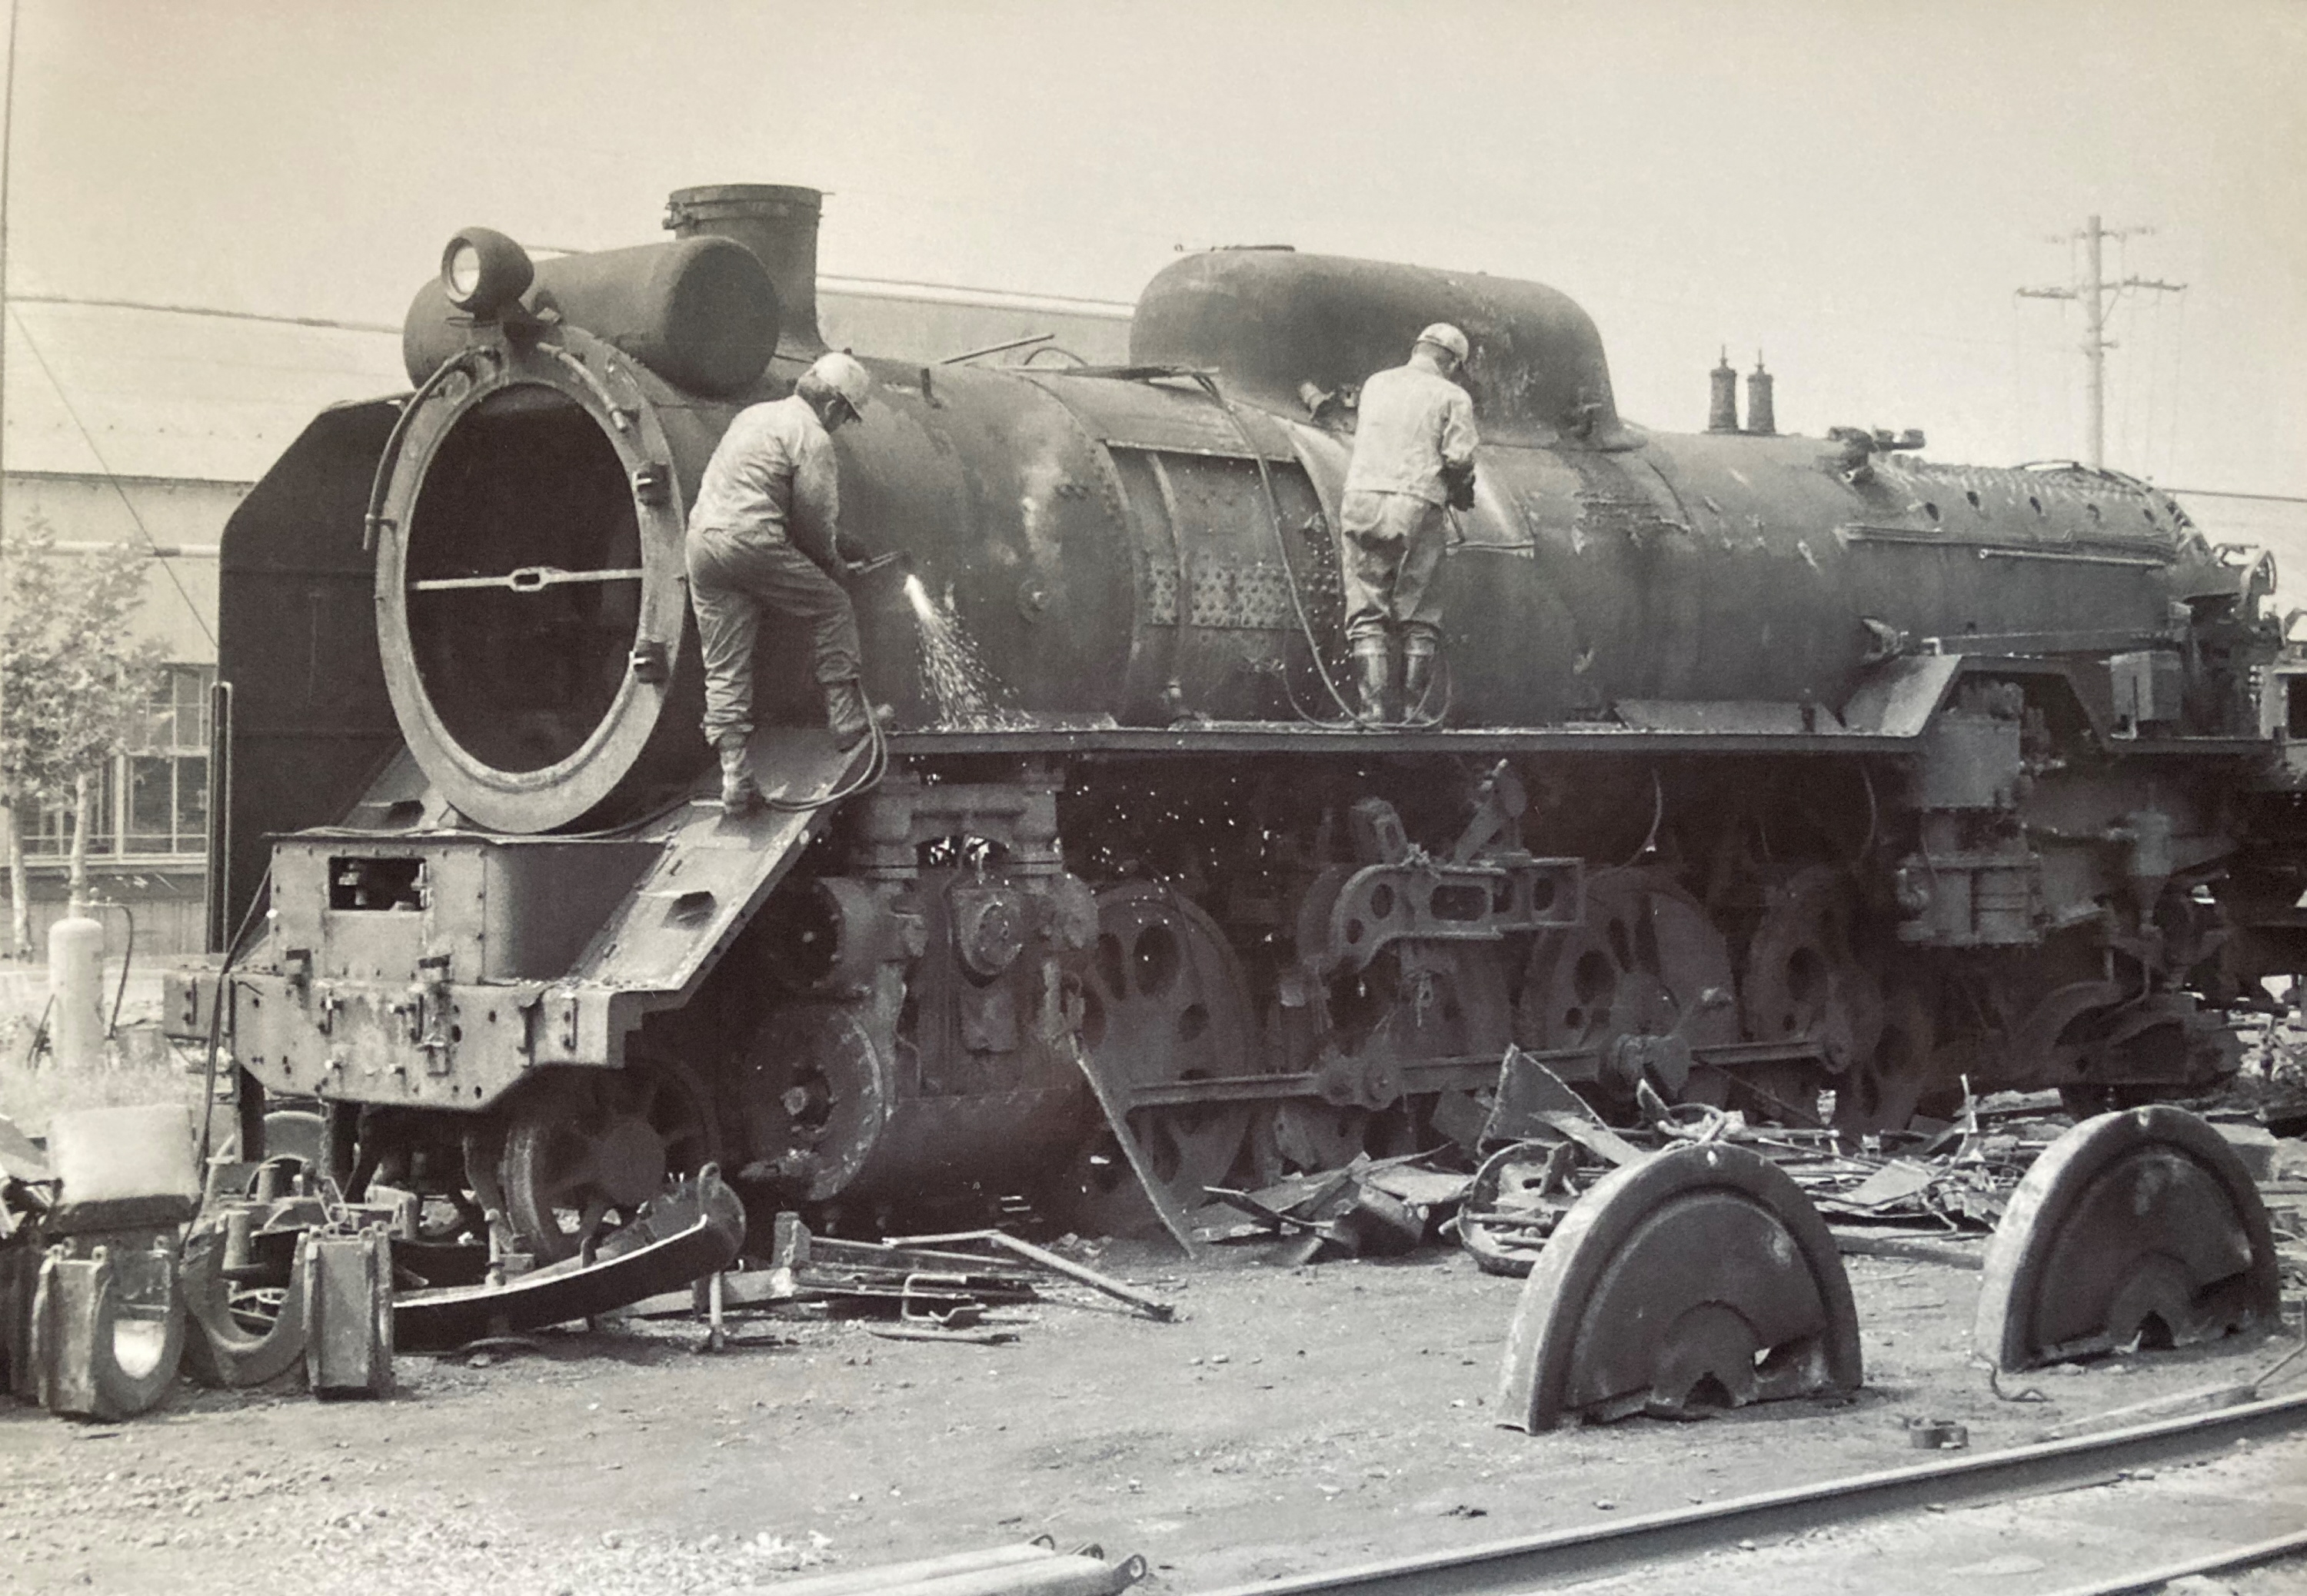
(1962, 1479)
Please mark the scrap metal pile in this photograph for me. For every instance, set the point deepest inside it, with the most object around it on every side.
(954, 1287)
(1690, 1261)
(120, 1268)
(1503, 1194)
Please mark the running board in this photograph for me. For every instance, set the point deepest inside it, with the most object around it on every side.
(714, 871)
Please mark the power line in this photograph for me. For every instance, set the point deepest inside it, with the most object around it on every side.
(112, 477)
(173, 309)
(2094, 293)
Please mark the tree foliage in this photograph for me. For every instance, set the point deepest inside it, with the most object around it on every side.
(73, 684)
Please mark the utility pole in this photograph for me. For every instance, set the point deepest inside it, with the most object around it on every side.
(2097, 293)
(9, 819)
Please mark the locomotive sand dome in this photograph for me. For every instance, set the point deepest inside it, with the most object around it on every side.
(1775, 767)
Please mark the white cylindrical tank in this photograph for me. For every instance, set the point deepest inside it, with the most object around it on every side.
(76, 992)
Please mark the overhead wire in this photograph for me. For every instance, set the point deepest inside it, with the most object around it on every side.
(112, 479)
(78, 302)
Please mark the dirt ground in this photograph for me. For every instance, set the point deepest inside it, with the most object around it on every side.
(1292, 1419)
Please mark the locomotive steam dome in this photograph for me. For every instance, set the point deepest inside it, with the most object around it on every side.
(1272, 319)
(528, 514)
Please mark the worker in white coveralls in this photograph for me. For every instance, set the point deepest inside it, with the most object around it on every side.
(1414, 461)
(764, 537)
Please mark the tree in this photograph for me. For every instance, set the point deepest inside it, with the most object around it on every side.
(74, 688)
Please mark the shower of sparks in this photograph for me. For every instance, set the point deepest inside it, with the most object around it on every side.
(967, 694)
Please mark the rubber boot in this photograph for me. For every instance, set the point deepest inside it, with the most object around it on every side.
(847, 715)
(740, 793)
(1373, 679)
(1417, 682)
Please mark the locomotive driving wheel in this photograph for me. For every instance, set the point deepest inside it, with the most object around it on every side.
(1804, 983)
(1640, 964)
(1416, 1001)
(1164, 1003)
(1883, 1092)
(581, 1155)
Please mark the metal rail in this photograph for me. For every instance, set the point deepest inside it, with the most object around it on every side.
(1501, 1566)
(2218, 1562)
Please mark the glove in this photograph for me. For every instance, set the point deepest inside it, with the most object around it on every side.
(1458, 485)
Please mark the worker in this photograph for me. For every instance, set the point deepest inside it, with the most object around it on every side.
(764, 536)
(1414, 461)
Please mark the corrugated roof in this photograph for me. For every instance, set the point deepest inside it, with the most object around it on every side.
(154, 393)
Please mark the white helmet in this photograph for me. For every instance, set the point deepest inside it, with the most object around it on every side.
(1443, 336)
(844, 375)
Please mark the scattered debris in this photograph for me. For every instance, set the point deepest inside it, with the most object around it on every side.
(1956, 1252)
(1937, 1435)
(921, 1333)
(1532, 1100)
(930, 1287)
(1374, 1207)
(2268, 1156)
(683, 1235)
(1151, 1306)
(1518, 1199)
(21, 1159)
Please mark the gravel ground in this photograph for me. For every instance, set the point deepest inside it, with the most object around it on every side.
(1291, 1419)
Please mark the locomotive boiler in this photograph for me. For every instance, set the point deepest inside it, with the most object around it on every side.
(1805, 775)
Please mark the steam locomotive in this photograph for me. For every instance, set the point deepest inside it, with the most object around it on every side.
(1806, 776)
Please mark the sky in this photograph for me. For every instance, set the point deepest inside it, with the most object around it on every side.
(1852, 190)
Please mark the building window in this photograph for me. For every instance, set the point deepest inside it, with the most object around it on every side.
(52, 837)
(154, 799)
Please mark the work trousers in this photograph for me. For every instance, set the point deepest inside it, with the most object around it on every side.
(1390, 548)
(734, 578)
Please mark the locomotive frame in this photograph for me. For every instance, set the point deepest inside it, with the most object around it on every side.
(1775, 766)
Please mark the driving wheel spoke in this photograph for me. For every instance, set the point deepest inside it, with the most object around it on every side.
(1164, 1003)
(576, 1156)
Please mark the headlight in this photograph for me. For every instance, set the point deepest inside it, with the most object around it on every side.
(482, 271)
